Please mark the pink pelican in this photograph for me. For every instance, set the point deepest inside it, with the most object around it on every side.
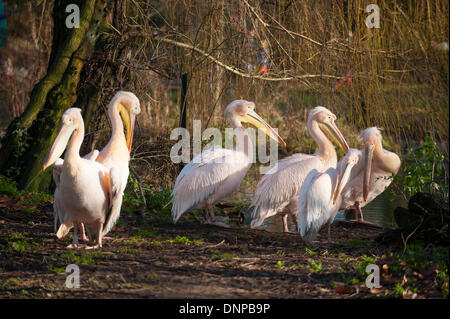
(123, 106)
(88, 191)
(278, 190)
(217, 172)
(372, 175)
(320, 196)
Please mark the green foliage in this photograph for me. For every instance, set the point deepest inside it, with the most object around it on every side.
(423, 170)
(142, 233)
(9, 188)
(184, 240)
(280, 264)
(442, 280)
(85, 258)
(361, 266)
(22, 143)
(313, 266)
(310, 252)
(56, 270)
(225, 256)
(398, 290)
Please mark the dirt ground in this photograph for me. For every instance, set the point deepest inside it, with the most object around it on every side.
(190, 260)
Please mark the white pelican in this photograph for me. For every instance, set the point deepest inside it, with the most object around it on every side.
(88, 190)
(278, 190)
(124, 105)
(372, 176)
(217, 172)
(320, 196)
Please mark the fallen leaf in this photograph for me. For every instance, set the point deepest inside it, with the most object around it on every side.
(343, 290)
(375, 290)
(415, 273)
(404, 280)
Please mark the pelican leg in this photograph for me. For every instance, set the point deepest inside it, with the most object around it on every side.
(75, 237)
(285, 224)
(211, 219)
(294, 218)
(359, 211)
(361, 220)
(98, 237)
(83, 233)
(329, 233)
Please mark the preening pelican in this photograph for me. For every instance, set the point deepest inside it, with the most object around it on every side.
(124, 105)
(87, 191)
(372, 175)
(320, 196)
(217, 172)
(278, 190)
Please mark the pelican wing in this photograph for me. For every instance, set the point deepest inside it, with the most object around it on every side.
(274, 191)
(114, 181)
(289, 160)
(314, 203)
(203, 176)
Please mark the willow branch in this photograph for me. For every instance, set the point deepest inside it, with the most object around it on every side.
(236, 70)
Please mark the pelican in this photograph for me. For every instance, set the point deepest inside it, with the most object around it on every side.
(278, 190)
(217, 172)
(123, 106)
(88, 191)
(320, 196)
(372, 175)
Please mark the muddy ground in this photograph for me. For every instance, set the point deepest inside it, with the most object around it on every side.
(190, 260)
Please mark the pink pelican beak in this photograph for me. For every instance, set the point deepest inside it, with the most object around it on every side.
(252, 118)
(367, 169)
(342, 180)
(59, 145)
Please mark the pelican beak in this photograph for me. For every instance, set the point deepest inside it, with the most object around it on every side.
(367, 170)
(336, 134)
(128, 119)
(130, 133)
(342, 180)
(252, 118)
(58, 146)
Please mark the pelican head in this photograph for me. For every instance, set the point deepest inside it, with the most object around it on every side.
(344, 170)
(71, 121)
(242, 111)
(326, 121)
(128, 106)
(372, 143)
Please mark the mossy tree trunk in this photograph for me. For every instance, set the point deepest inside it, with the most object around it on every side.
(30, 136)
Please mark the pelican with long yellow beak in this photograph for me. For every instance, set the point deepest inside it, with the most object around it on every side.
(217, 172)
(124, 106)
(88, 191)
(278, 190)
(372, 175)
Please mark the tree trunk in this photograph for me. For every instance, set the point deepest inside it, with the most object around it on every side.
(30, 136)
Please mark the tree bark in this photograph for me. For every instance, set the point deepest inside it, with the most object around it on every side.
(30, 136)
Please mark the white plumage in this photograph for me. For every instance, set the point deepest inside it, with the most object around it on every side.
(209, 177)
(320, 197)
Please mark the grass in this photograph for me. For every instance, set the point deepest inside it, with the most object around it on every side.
(314, 266)
(84, 258)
